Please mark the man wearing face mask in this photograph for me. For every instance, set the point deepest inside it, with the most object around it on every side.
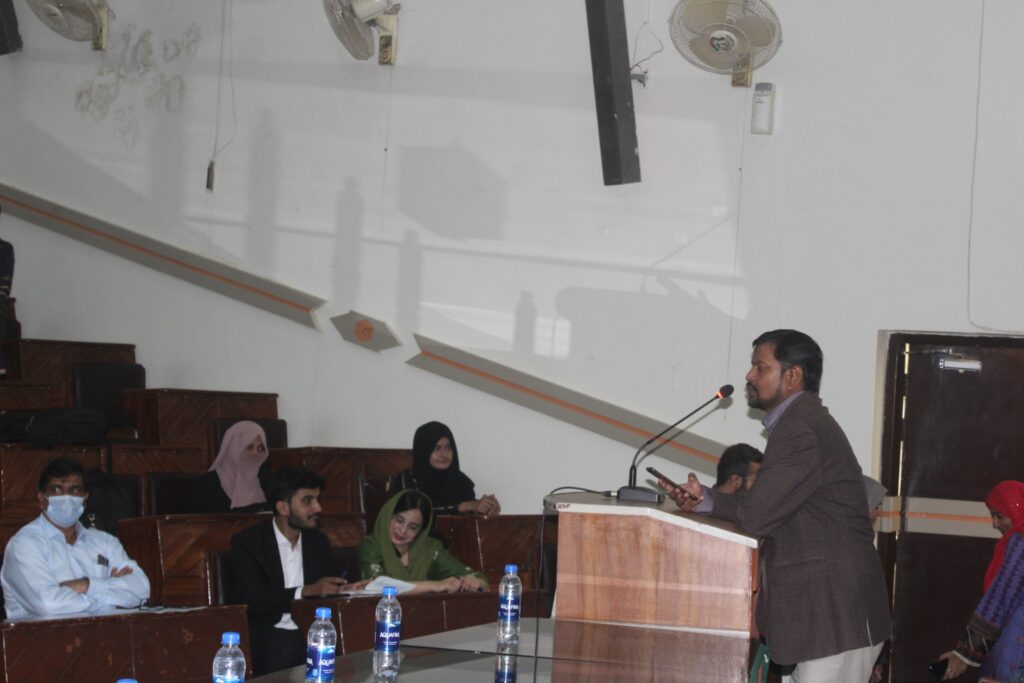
(55, 566)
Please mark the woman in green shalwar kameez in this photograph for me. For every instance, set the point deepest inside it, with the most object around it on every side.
(400, 547)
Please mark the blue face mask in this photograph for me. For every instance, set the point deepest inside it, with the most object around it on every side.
(64, 511)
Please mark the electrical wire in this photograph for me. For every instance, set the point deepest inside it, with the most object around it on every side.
(636, 44)
(974, 175)
(542, 565)
(226, 37)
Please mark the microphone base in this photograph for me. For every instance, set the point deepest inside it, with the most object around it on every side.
(639, 494)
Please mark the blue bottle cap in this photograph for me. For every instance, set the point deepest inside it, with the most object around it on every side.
(323, 612)
(229, 638)
(127, 680)
(511, 568)
(390, 591)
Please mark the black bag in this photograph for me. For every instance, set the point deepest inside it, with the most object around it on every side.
(13, 424)
(50, 428)
(108, 501)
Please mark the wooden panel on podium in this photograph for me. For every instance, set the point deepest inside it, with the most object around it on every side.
(184, 417)
(621, 562)
(171, 647)
(174, 550)
(346, 471)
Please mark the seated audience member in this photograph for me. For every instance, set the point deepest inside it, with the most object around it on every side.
(239, 478)
(994, 638)
(400, 548)
(435, 471)
(54, 566)
(737, 468)
(283, 559)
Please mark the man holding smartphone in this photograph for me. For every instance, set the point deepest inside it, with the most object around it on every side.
(822, 604)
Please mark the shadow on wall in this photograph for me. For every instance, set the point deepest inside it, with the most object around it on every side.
(264, 185)
(348, 218)
(451, 193)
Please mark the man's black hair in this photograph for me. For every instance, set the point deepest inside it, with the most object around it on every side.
(736, 459)
(790, 348)
(58, 468)
(288, 480)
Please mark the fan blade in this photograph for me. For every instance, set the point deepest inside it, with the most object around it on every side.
(353, 34)
(758, 31)
(723, 61)
(369, 9)
(697, 15)
(75, 20)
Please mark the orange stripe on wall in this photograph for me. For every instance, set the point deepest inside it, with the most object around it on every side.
(973, 519)
(157, 255)
(566, 405)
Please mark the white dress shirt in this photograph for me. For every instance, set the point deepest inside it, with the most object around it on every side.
(291, 565)
(38, 558)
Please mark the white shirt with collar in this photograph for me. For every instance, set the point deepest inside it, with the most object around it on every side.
(291, 566)
(38, 558)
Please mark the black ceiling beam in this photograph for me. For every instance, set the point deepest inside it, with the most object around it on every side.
(10, 39)
(613, 91)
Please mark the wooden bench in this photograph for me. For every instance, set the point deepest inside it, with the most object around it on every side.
(45, 362)
(174, 550)
(490, 544)
(184, 417)
(355, 478)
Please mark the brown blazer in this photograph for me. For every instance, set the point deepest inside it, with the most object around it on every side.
(822, 587)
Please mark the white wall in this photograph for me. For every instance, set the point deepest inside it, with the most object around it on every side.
(444, 192)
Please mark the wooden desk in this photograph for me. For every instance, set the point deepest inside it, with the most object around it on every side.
(581, 652)
(703, 656)
(184, 417)
(421, 614)
(170, 647)
(174, 550)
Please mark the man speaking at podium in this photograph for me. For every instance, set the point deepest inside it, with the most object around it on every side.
(822, 604)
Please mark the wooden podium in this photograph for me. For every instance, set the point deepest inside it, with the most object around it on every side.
(638, 564)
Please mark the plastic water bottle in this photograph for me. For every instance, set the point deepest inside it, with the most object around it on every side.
(510, 592)
(389, 629)
(127, 680)
(229, 664)
(505, 664)
(321, 643)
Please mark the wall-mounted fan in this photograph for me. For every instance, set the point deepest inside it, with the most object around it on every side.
(82, 20)
(352, 19)
(726, 36)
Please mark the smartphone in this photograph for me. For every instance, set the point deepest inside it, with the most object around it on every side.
(938, 669)
(659, 475)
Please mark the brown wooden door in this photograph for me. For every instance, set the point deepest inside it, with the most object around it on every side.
(950, 436)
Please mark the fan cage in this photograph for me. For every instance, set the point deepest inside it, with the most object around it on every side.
(753, 57)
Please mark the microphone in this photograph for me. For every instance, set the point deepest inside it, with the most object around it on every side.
(642, 494)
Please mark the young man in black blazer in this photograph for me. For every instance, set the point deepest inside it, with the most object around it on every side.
(280, 560)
